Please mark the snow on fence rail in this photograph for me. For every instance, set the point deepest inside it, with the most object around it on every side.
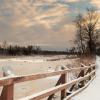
(84, 75)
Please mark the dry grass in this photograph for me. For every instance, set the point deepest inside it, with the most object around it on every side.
(87, 59)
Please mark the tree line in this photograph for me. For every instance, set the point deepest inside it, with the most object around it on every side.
(19, 50)
(14, 50)
(36, 50)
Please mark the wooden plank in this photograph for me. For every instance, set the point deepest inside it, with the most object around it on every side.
(63, 92)
(7, 92)
(79, 75)
(58, 83)
(17, 79)
(53, 90)
(80, 90)
(81, 84)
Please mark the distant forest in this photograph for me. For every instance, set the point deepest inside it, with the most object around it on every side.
(31, 50)
(16, 50)
(87, 40)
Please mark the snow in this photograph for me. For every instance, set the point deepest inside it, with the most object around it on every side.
(33, 65)
(92, 91)
(22, 60)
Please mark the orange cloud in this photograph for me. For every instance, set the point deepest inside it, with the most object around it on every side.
(96, 3)
(72, 0)
(27, 15)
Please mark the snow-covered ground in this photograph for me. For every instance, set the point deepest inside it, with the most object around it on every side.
(93, 91)
(32, 65)
(35, 64)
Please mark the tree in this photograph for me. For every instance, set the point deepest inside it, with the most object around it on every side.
(4, 44)
(79, 40)
(87, 31)
(30, 49)
(37, 49)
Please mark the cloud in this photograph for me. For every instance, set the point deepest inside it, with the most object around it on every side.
(96, 3)
(30, 15)
(47, 22)
(72, 0)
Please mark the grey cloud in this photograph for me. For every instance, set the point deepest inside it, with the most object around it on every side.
(36, 22)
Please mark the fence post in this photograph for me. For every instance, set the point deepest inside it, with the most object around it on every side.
(81, 84)
(94, 67)
(63, 92)
(58, 83)
(90, 69)
(8, 90)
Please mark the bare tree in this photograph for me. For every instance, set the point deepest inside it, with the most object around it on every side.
(79, 25)
(87, 30)
(90, 27)
(4, 44)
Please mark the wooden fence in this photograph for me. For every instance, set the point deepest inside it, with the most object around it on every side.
(84, 76)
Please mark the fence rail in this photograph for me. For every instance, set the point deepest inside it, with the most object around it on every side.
(84, 75)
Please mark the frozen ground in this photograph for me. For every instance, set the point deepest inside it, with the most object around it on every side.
(37, 64)
(32, 65)
(93, 91)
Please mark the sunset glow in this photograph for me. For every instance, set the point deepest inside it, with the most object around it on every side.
(42, 22)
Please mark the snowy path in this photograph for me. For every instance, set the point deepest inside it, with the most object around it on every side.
(92, 92)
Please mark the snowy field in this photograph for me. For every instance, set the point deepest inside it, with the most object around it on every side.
(32, 65)
(93, 91)
(40, 64)
(36, 64)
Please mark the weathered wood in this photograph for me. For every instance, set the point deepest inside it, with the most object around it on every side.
(63, 81)
(9, 81)
(93, 68)
(7, 92)
(79, 75)
(79, 90)
(75, 84)
(88, 71)
(58, 83)
(81, 84)
(53, 90)
(17, 79)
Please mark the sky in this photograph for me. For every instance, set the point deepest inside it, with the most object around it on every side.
(47, 23)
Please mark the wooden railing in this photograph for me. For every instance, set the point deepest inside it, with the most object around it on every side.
(85, 74)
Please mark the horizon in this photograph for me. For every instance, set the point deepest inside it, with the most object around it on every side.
(47, 23)
(5, 44)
